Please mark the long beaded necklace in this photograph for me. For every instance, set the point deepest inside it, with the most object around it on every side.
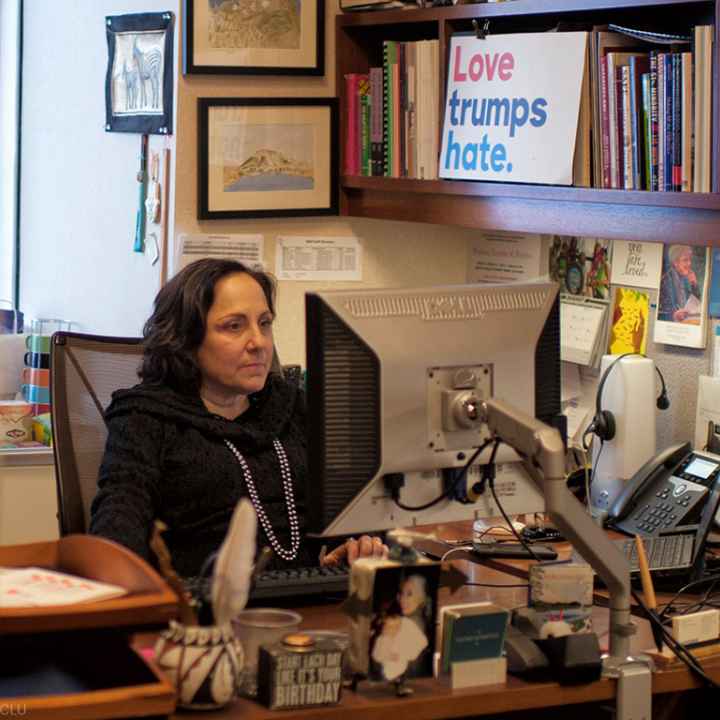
(286, 475)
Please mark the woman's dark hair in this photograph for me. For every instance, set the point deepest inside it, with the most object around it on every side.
(177, 326)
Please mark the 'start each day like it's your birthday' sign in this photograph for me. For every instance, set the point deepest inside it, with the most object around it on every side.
(512, 107)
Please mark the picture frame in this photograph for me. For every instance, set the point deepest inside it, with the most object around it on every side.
(261, 157)
(139, 76)
(277, 37)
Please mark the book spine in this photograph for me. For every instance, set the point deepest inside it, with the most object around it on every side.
(388, 56)
(668, 124)
(352, 136)
(604, 124)
(612, 118)
(619, 168)
(403, 103)
(647, 132)
(627, 142)
(654, 169)
(364, 95)
(376, 121)
(677, 122)
(661, 120)
(687, 121)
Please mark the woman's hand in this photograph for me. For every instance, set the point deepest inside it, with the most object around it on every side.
(353, 549)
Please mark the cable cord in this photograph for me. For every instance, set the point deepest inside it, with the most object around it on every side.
(447, 493)
(491, 482)
(678, 648)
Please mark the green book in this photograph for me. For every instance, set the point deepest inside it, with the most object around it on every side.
(472, 632)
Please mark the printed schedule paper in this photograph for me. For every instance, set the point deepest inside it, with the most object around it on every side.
(581, 325)
(318, 258)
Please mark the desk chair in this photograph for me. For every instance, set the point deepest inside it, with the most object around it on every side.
(84, 372)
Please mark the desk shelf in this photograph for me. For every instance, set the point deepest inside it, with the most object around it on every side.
(657, 217)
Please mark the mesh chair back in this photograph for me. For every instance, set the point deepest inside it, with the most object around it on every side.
(84, 372)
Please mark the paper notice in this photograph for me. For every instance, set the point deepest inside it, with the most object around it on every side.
(504, 257)
(247, 249)
(318, 258)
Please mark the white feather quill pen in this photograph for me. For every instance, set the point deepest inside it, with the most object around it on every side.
(234, 565)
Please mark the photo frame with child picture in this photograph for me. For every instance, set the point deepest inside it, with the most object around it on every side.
(402, 626)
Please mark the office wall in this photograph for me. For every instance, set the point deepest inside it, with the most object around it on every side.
(79, 189)
(394, 253)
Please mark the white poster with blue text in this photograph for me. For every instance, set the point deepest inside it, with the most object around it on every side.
(512, 105)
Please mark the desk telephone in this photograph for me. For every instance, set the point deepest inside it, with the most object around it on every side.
(675, 491)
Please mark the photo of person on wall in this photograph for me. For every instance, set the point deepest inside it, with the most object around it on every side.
(681, 284)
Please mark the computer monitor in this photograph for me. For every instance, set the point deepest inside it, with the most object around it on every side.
(393, 379)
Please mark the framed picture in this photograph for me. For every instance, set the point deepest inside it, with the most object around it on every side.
(262, 157)
(139, 78)
(273, 37)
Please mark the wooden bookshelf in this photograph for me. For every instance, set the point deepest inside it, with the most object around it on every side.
(638, 215)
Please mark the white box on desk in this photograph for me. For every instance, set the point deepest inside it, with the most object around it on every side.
(473, 673)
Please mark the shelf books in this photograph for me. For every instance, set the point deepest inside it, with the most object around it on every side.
(644, 119)
(392, 120)
(651, 94)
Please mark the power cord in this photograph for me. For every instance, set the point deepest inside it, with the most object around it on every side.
(395, 490)
(678, 648)
(490, 471)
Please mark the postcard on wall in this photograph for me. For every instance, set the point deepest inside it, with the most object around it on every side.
(637, 264)
(497, 257)
(318, 258)
(682, 300)
(247, 249)
(581, 266)
(630, 321)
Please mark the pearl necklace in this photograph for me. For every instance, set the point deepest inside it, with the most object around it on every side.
(290, 554)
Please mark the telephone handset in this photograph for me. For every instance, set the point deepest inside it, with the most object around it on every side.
(667, 493)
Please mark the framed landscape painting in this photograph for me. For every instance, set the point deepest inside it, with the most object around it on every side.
(254, 37)
(262, 157)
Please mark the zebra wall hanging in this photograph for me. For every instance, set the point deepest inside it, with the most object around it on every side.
(139, 78)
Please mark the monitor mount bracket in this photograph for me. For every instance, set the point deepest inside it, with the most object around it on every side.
(543, 454)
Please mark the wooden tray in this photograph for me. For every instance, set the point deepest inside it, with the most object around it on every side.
(84, 675)
(150, 602)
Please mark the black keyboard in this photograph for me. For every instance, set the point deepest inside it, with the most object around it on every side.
(287, 583)
(664, 552)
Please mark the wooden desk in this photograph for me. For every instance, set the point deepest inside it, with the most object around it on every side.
(434, 698)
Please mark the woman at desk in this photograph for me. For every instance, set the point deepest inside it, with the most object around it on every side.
(208, 424)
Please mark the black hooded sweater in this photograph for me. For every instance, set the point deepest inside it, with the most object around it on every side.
(166, 458)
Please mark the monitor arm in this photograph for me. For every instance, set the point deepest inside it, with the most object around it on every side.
(543, 454)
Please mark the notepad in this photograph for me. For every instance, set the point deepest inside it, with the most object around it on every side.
(33, 586)
(581, 330)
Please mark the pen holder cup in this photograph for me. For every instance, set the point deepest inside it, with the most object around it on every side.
(203, 662)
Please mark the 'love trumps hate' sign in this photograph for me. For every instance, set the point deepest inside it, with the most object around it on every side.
(512, 107)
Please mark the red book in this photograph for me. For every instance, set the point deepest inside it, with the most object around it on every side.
(605, 123)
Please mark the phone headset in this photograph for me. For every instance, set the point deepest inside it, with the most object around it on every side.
(603, 424)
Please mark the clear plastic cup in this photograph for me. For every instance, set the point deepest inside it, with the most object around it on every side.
(260, 626)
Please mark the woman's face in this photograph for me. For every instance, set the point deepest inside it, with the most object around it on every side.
(236, 352)
(410, 597)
